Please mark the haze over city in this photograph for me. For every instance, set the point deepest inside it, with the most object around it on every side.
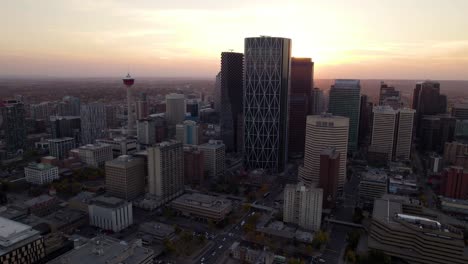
(419, 39)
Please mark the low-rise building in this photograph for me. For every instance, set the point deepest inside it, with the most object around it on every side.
(373, 185)
(155, 231)
(40, 173)
(95, 155)
(414, 234)
(120, 145)
(398, 184)
(203, 206)
(214, 157)
(107, 250)
(110, 213)
(59, 147)
(81, 201)
(66, 220)
(42, 205)
(19, 243)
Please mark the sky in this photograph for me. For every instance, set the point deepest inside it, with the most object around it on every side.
(366, 39)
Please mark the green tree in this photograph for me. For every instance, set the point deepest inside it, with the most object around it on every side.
(350, 256)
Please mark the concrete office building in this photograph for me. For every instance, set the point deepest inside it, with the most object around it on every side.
(107, 250)
(324, 131)
(214, 157)
(373, 185)
(125, 177)
(66, 126)
(59, 147)
(39, 173)
(189, 133)
(317, 104)
(329, 173)
(93, 122)
(302, 82)
(20, 243)
(146, 131)
(120, 145)
(345, 100)
(141, 107)
(383, 130)
(404, 134)
(409, 232)
(42, 110)
(303, 206)
(454, 182)
(203, 206)
(231, 97)
(266, 88)
(110, 213)
(95, 155)
(389, 94)
(456, 153)
(166, 170)
(175, 108)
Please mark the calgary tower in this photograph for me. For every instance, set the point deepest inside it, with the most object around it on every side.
(128, 82)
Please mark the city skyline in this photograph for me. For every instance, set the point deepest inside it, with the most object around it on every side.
(370, 39)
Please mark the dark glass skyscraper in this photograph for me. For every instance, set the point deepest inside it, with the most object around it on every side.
(12, 121)
(266, 91)
(345, 100)
(302, 82)
(427, 100)
(232, 76)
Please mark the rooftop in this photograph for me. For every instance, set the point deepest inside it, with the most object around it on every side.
(108, 201)
(104, 250)
(156, 228)
(203, 200)
(40, 166)
(94, 146)
(63, 139)
(38, 200)
(12, 232)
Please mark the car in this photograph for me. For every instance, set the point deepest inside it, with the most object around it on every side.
(224, 239)
(321, 260)
(220, 247)
(214, 253)
(203, 259)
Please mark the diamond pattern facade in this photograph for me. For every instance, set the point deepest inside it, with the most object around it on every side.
(266, 90)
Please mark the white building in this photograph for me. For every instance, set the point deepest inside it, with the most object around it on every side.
(214, 157)
(175, 108)
(303, 206)
(383, 130)
(166, 169)
(95, 155)
(404, 133)
(59, 147)
(40, 173)
(110, 213)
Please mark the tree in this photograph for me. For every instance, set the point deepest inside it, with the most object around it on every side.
(353, 239)
(350, 256)
(309, 249)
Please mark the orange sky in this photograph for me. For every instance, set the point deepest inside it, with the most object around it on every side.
(389, 39)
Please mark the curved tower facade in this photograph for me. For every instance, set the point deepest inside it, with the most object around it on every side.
(266, 91)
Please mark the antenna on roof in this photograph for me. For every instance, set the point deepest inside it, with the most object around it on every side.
(230, 50)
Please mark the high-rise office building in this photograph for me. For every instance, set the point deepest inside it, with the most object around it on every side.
(125, 177)
(365, 120)
(435, 131)
(217, 93)
(146, 131)
(214, 157)
(454, 183)
(194, 165)
(266, 88)
(302, 81)
(345, 100)
(59, 147)
(42, 110)
(13, 123)
(232, 81)
(317, 104)
(329, 173)
(460, 111)
(189, 132)
(404, 134)
(193, 108)
(387, 92)
(142, 109)
(383, 130)
(66, 126)
(427, 100)
(303, 206)
(324, 131)
(69, 106)
(166, 170)
(175, 108)
(93, 122)
(112, 120)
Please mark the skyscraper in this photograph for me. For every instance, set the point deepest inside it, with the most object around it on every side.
(146, 131)
(303, 206)
(387, 92)
(266, 88)
(324, 131)
(317, 104)
(365, 121)
(345, 97)
(66, 126)
(128, 81)
(59, 147)
(69, 106)
(175, 108)
(427, 100)
(404, 134)
(93, 122)
(12, 121)
(302, 79)
(125, 177)
(214, 157)
(194, 165)
(383, 130)
(329, 173)
(166, 170)
(189, 132)
(142, 110)
(232, 81)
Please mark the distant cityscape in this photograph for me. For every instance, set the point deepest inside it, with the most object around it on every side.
(262, 164)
